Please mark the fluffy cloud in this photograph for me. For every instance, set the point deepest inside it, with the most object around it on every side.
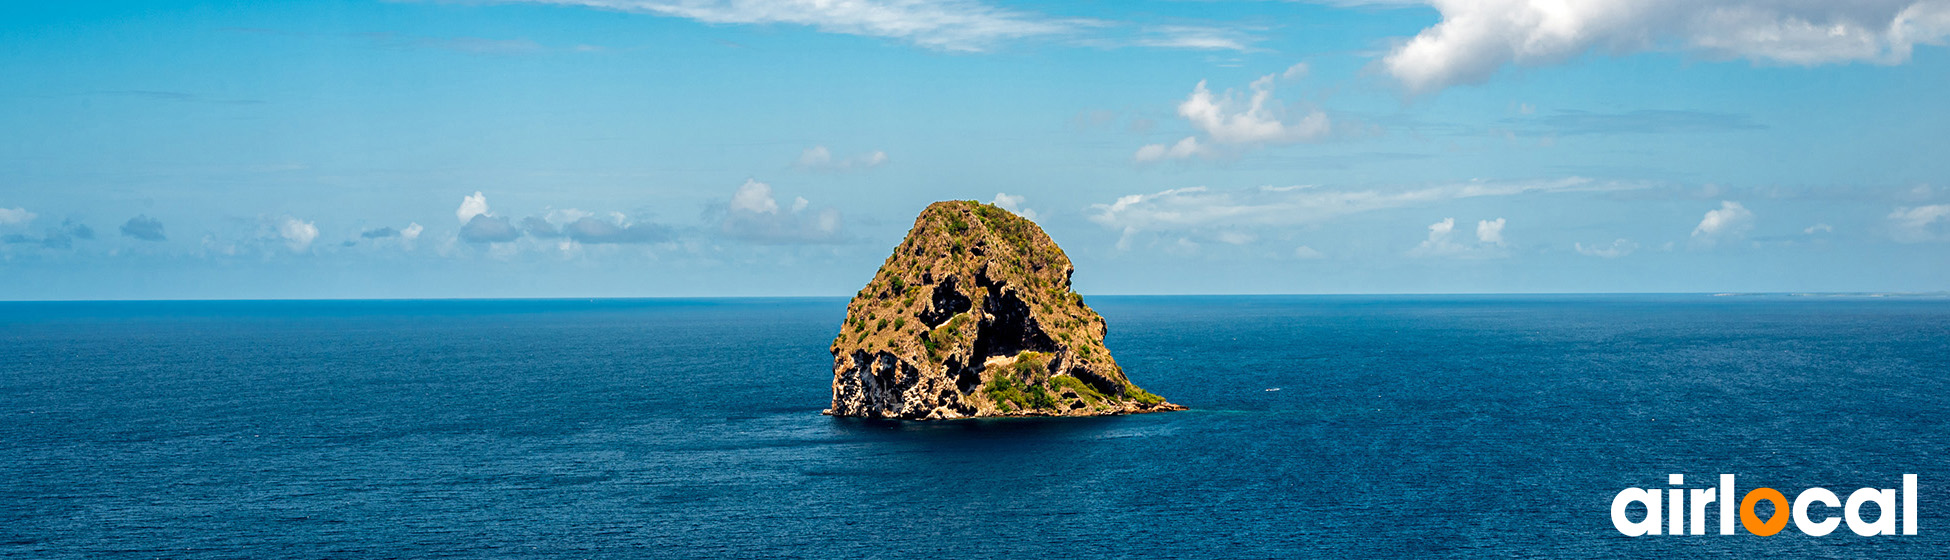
(406, 235)
(1441, 241)
(753, 215)
(471, 206)
(297, 234)
(480, 225)
(1731, 219)
(1237, 120)
(954, 25)
(1490, 231)
(1921, 223)
(144, 228)
(1617, 248)
(483, 228)
(1476, 38)
(15, 216)
(1305, 252)
(1013, 203)
(818, 158)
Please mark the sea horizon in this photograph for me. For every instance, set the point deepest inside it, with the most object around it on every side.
(1867, 294)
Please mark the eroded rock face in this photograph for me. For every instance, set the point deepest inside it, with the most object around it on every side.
(973, 316)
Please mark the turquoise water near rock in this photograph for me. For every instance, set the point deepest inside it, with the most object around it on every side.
(1405, 426)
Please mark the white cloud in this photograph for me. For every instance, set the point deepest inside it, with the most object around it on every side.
(1200, 208)
(1234, 237)
(1442, 243)
(1438, 242)
(1821, 228)
(1305, 252)
(1476, 38)
(1253, 119)
(471, 206)
(1013, 203)
(1179, 150)
(1490, 232)
(297, 234)
(1296, 71)
(410, 233)
(818, 158)
(565, 216)
(755, 198)
(1730, 220)
(1921, 223)
(15, 216)
(753, 215)
(953, 25)
(1191, 37)
(1617, 248)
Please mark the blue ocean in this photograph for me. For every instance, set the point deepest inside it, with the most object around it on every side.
(1332, 426)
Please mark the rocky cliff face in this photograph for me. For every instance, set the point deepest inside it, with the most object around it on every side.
(973, 316)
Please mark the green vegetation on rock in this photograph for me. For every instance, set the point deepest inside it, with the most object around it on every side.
(997, 330)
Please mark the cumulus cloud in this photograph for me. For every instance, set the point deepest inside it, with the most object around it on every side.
(953, 25)
(1013, 203)
(15, 216)
(1238, 120)
(1441, 241)
(297, 234)
(411, 232)
(1921, 223)
(1731, 219)
(1617, 248)
(480, 225)
(144, 228)
(471, 206)
(818, 158)
(1476, 38)
(1818, 228)
(1490, 232)
(483, 228)
(754, 215)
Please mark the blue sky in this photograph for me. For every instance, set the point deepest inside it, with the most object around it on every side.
(606, 148)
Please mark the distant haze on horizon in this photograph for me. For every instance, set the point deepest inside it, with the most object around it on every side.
(650, 148)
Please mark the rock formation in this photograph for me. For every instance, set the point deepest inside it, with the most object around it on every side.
(973, 316)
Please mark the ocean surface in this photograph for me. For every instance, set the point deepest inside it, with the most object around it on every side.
(1340, 427)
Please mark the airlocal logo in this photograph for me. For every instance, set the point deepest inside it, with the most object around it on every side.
(1679, 517)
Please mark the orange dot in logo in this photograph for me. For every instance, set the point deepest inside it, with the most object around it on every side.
(1774, 523)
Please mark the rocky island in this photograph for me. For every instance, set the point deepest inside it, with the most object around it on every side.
(973, 316)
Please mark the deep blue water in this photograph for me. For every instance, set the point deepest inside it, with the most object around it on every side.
(1447, 427)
